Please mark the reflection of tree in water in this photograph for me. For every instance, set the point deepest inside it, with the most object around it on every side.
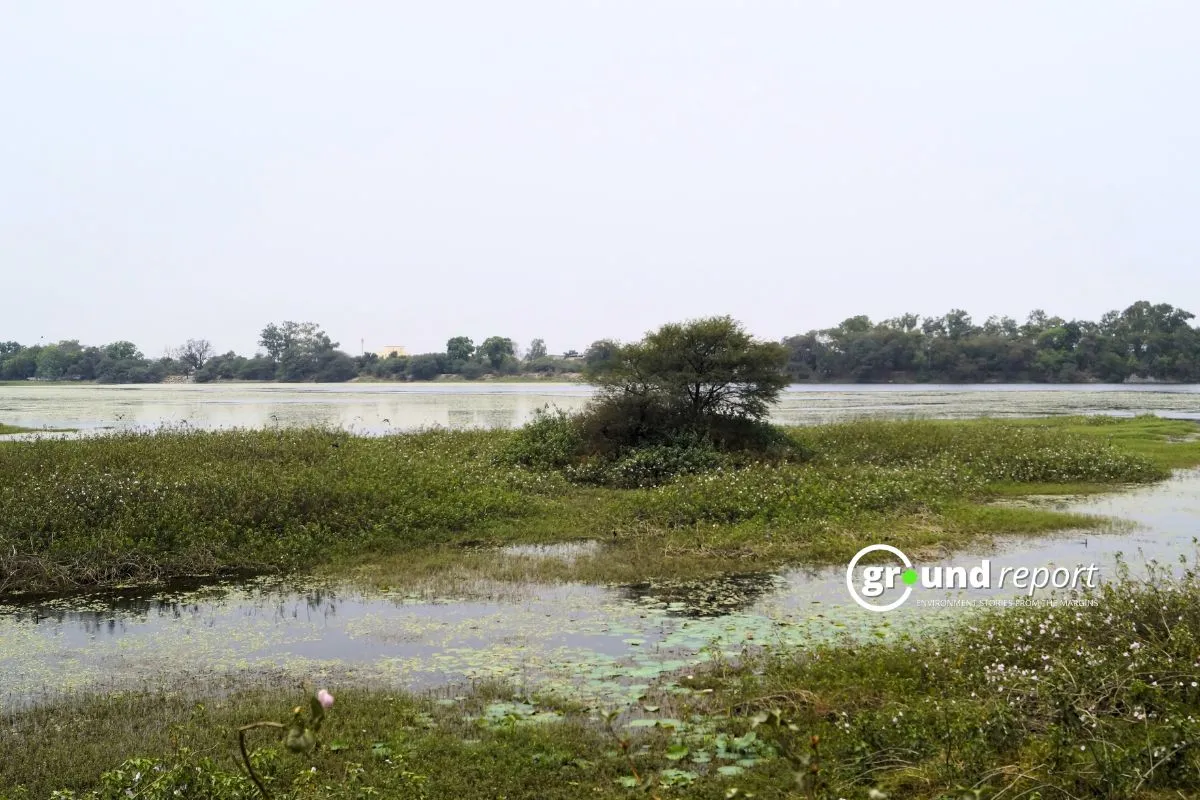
(109, 613)
(710, 597)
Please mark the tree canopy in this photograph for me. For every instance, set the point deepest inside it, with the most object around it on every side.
(1145, 341)
(702, 368)
(497, 348)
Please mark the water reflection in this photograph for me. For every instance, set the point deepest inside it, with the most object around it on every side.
(121, 612)
(714, 597)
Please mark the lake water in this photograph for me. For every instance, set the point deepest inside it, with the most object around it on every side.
(379, 408)
(598, 644)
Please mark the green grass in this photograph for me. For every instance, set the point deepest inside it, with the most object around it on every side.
(1168, 443)
(133, 505)
(138, 506)
(1095, 701)
(18, 429)
(1089, 701)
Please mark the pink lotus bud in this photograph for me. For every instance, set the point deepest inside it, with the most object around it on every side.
(325, 699)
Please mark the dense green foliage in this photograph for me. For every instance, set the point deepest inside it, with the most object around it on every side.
(1143, 342)
(139, 505)
(698, 370)
(119, 362)
(603, 446)
(1094, 700)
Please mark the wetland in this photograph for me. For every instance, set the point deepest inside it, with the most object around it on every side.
(494, 628)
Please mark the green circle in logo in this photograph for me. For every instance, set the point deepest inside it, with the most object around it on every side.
(909, 576)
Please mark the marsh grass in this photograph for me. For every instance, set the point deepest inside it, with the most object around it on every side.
(141, 506)
(1094, 700)
(1168, 443)
(7, 429)
(1063, 702)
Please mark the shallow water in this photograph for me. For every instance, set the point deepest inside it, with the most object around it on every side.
(596, 644)
(378, 408)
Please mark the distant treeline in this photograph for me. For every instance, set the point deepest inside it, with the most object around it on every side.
(291, 352)
(1145, 341)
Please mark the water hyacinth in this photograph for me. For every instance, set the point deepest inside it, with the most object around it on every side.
(143, 505)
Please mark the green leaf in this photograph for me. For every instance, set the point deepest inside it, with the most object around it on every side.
(677, 752)
(677, 777)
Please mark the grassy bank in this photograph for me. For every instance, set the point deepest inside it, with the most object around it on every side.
(134, 507)
(1093, 701)
(18, 429)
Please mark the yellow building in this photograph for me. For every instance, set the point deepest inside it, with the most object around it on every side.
(392, 349)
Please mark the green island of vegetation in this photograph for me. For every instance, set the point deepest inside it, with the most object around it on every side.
(1144, 342)
(674, 469)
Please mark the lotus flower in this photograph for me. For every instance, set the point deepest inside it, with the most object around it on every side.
(325, 699)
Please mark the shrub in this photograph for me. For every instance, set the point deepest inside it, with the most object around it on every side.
(649, 466)
(617, 423)
(552, 440)
(706, 377)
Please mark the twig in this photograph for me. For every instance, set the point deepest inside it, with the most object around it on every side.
(246, 756)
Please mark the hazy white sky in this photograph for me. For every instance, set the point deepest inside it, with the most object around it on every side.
(403, 172)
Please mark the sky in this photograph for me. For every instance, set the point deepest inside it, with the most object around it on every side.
(404, 172)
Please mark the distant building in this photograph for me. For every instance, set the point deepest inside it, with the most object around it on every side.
(392, 350)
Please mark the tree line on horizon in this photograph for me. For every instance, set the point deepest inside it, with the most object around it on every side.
(290, 352)
(1145, 341)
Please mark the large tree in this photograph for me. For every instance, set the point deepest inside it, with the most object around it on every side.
(307, 336)
(537, 349)
(460, 348)
(600, 351)
(193, 354)
(497, 348)
(301, 349)
(700, 369)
